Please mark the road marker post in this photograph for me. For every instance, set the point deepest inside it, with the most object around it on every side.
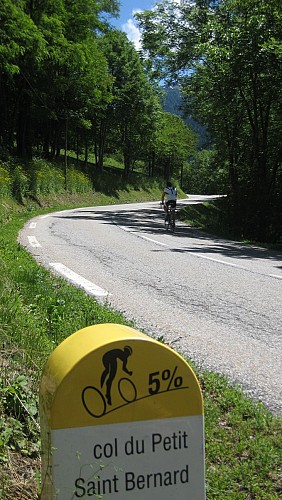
(121, 418)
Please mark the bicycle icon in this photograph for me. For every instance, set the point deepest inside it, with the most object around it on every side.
(95, 402)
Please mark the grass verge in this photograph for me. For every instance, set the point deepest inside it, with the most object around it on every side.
(214, 217)
(37, 310)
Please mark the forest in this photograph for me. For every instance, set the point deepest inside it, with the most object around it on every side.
(70, 81)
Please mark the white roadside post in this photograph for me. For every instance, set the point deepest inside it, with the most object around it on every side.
(121, 418)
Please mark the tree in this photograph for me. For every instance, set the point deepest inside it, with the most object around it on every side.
(54, 72)
(231, 52)
(243, 74)
(132, 113)
(203, 175)
(22, 46)
(174, 144)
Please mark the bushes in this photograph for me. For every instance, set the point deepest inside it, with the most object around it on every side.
(20, 183)
(5, 182)
(77, 182)
(45, 178)
(13, 180)
(205, 174)
(38, 178)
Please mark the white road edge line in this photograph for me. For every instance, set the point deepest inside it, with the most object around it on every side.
(78, 280)
(151, 239)
(125, 228)
(33, 241)
(129, 230)
(51, 214)
(201, 256)
(218, 260)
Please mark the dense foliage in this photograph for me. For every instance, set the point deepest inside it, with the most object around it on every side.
(228, 56)
(69, 81)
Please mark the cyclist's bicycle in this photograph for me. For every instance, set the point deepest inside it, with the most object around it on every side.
(95, 403)
(169, 221)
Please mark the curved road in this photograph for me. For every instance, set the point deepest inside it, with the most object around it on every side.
(214, 300)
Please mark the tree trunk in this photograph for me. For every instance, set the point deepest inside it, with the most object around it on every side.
(24, 141)
(100, 139)
(126, 162)
(66, 154)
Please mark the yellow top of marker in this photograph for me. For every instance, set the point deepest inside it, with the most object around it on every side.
(110, 373)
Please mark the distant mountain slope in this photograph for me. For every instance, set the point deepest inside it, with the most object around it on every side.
(173, 103)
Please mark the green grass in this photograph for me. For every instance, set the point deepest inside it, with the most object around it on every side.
(214, 218)
(209, 216)
(243, 444)
(38, 310)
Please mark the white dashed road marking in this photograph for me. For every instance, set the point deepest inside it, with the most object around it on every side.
(78, 280)
(33, 241)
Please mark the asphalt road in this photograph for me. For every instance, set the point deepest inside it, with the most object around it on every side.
(217, 301)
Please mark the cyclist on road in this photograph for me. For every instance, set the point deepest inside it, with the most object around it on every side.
(169, 196)
(110, 360)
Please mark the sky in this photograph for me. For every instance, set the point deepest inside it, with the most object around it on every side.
(126, 20)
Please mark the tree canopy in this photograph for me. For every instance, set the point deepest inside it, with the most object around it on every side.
(227, 54)
(69, 80)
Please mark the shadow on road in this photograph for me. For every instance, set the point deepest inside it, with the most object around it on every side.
(151, 221)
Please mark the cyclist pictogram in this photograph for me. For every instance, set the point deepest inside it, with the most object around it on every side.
(110, 362)
(99, 401)
(94, 401)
